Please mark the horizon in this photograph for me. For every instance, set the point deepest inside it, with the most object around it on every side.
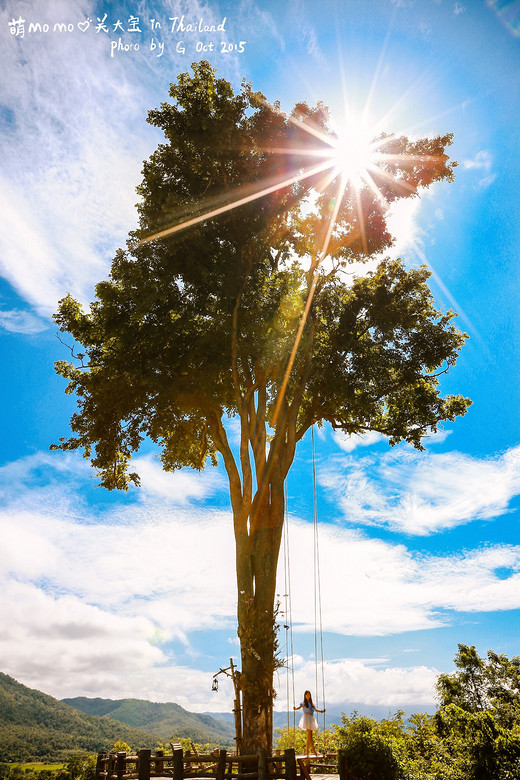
(419, 551)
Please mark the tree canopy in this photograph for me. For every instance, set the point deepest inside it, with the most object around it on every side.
(234, 298)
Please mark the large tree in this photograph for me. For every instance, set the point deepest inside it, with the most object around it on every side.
(248, 311)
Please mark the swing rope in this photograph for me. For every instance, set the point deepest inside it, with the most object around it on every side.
(318, 613)
(289, 642)
(318, 619)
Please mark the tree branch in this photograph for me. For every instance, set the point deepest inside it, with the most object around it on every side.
(219, 436)
(80, 356)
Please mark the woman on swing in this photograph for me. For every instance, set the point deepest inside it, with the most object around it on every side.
(308, 721)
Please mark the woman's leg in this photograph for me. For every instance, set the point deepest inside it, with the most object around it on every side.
(309, 740)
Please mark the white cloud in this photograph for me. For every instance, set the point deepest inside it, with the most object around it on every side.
(16, 321)
(481, 161)
(74, 136)
(349, 681)
(92, 604)
(178, 487)
(487, 181)
(395, 590)
(348, 442)
(60, 640)
(69, 166)
(423, 493)
(403, 223)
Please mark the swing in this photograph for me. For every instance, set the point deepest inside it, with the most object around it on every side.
(318, 623)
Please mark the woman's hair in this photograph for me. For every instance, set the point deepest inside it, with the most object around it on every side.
(310, 698)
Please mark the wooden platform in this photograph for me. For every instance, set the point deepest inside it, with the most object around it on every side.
(305, 763)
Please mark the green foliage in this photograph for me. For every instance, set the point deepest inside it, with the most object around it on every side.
(324, 741)
(428, 755)
(483, 749)
(474, 735)
(119, 746)
(189, 746)
(479, 685)
(191, 325)
(77, 767)
(372, 748)
(80, 767)
(480, 711)
(35, 726)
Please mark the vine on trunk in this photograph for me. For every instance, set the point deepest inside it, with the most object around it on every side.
(258, 634)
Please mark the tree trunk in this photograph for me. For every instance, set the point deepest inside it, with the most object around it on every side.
(257, 550)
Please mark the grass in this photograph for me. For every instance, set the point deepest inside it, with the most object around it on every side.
(39, 766)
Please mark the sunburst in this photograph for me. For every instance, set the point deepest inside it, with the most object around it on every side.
(352, 158)
(354, 153)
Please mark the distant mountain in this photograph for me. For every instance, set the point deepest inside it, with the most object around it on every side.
(35, 726)
(280, 717)
(164, 720)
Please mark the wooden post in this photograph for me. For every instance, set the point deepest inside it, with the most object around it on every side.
(143, 764)
(262, 765)
(237, 709)
(178, 764)
(101, 764)
(221, 766)
(290, 764)
(121, 765)
(159, 765)
(111, 765)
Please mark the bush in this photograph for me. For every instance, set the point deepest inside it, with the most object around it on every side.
(373, 749)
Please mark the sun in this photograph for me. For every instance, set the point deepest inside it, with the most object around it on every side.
(354, 153)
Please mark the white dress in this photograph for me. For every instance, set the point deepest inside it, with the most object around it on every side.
(308, 721)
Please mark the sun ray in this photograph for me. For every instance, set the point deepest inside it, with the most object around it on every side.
(315, 269)
(379, 65)
(385, 119)
(375, 189)
(236, 203)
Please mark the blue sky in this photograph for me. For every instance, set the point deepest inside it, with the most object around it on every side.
(133, 595)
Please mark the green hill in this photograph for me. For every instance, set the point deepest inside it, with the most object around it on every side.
(35, 726)
(161, 719)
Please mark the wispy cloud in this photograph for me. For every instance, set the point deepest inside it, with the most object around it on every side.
(397, 590)
(423, 493)
(73, 139)
(307, 31)
(482, 162)
(70, 169)
(17, 321)
(487, 181)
